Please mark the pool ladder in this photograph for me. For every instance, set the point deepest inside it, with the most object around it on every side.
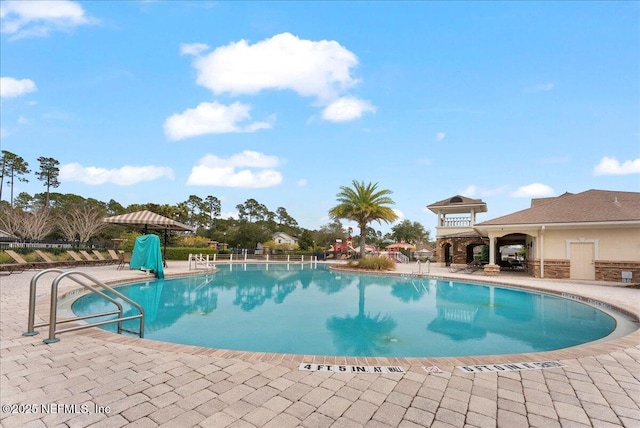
(94, 287)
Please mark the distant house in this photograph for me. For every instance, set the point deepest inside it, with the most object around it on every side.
(284, 238)
(592, 235)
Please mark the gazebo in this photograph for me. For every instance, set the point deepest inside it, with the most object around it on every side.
(147, 220)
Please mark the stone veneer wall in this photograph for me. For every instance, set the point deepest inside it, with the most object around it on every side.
(458, 250)
(606, 270)
(553, 268)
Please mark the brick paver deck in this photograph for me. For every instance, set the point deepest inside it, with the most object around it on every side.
(96, 378)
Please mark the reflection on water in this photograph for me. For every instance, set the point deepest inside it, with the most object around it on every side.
(372, 330)
(306, 309)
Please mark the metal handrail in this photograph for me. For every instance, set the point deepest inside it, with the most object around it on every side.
(401, 257)
(32, 303)
(54, 306)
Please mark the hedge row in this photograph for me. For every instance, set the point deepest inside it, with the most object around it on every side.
(182, 253)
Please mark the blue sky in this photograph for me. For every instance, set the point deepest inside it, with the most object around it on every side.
(284, 102)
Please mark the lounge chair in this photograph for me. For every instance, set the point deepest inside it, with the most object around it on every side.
(114, 255)
(101, 258)
(474, 266)
(90, 259)
(53, 263)
(23, 264)
(9, 268)
(87, 256)
(454, 269)
(44, 256)
(122, 260)
(79, 260)
(470, 267)
(5, 269)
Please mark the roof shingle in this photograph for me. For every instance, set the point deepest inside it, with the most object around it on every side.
(589, 206)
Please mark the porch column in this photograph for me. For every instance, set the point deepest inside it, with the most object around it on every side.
(492, 269)
(492, 250)
(542, 252)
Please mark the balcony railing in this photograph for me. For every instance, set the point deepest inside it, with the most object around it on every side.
(457, 222)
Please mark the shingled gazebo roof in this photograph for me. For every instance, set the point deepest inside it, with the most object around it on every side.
(458, 203)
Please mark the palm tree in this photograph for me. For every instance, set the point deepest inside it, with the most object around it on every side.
(363, 203)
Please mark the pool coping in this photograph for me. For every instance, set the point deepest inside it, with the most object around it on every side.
(603, 346)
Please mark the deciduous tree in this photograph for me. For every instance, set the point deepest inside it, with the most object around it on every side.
(81, 222)
(26, 225)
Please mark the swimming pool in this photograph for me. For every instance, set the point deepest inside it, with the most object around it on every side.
(309, 309)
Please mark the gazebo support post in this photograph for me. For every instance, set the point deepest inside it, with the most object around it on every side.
(164, 252)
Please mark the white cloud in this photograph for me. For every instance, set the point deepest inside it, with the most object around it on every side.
(469, 191)
(611, 166)
(246, 169)
(302, 182)
(245, 158)
(533, 191)
(211, 118)
(125, 176)
(193, 49)
(38, 18)
(346, 108)
(320, 69)
(440, 136)
(540, 87)
(11, 88)
(472, 191)
(493, 192)
(399, 213)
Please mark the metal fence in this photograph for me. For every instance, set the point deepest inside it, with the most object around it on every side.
(17, 244)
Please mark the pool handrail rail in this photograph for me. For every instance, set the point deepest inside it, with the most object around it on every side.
(54, 303)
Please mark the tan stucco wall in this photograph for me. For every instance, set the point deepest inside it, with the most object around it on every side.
(444, 231)
(613, 244)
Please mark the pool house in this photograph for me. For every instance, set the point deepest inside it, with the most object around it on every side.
(592, 235)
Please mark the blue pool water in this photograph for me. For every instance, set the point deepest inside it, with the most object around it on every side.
(302, 309)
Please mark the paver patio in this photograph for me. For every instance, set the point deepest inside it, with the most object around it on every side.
(95, 378)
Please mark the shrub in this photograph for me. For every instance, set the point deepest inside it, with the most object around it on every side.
(195, 241)
(280, 247)
(182, 253)
(375, 263)
(130, 240)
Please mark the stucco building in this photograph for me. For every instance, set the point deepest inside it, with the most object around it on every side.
(589, 235)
